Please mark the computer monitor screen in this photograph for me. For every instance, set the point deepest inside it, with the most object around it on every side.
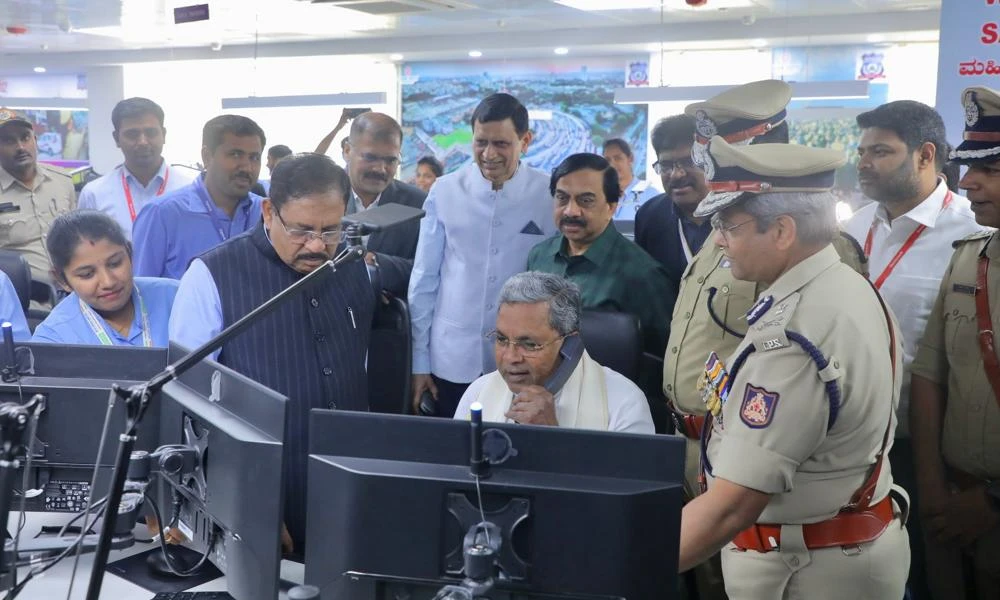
(580, 514)
(231, 500)
(76, 382)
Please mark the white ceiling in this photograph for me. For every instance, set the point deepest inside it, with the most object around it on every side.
(74, 33)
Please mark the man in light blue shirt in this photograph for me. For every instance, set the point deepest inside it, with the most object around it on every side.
(217, 206)
(145, 175)
(481, 223)
(635, 191)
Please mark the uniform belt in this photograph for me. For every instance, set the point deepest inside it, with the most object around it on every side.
(690, 426)
(846, 529)
(964, 480)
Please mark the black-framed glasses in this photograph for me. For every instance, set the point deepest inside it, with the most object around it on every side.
(662, 167)
(527, 347)
(302, 236)
(725, 228)
(390, 162)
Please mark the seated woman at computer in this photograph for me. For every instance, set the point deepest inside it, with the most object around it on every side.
(92, 258)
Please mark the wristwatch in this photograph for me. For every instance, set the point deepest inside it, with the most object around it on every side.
(993, 494)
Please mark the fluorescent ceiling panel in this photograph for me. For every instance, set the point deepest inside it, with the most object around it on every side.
(352, 99)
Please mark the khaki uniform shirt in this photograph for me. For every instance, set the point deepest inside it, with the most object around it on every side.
(24, 230)
(693, 333)
(949, 355)
(773, 436)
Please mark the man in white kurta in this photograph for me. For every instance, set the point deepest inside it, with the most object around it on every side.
(539, 379)
(481, 223)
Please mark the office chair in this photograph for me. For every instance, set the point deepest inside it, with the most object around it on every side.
(390, 358)
(28, 289)
(614, 340)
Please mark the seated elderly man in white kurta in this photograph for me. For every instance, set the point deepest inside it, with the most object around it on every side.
(544, 376)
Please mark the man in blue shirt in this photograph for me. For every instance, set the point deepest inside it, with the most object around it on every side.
(481, 223)
(217, 206)
(635, 191)
(145, 175)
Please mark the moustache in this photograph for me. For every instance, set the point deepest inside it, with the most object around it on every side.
(572, 221)
(682, 183)
(243, 176)
(376, 176)
(311, 256)
(21, 155)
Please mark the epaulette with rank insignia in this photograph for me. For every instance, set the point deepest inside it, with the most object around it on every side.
(979, 235)
(768, 320)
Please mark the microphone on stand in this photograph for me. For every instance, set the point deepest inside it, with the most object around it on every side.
(9, 371)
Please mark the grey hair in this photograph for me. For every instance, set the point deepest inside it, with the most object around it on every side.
(561, 294)
(815, 213)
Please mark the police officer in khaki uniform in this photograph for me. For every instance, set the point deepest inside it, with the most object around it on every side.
(32, 195)
(803, 411)
(955, 397)
(711, 304)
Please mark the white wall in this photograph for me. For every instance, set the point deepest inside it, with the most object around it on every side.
(191, 93)
(692, 68)
(105, 88)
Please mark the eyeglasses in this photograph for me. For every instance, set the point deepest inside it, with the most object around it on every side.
(725, 229)
(302, 236)
(662, 167)
(390, 162)
(526, 347)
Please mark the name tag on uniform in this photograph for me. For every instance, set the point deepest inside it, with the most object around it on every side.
(964, 289)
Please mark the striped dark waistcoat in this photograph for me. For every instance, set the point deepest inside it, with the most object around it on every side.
(311, 349)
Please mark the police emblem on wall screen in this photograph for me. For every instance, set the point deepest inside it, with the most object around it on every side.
(757, 410)
(705, 126)
(872, 66)
(971, 109)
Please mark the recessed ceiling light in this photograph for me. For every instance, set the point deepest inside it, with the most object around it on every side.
(561, 51)
(758, 43)
(395, 57)
(39, 69)
(475, 53)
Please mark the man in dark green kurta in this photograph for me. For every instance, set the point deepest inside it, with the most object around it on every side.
(611, 272)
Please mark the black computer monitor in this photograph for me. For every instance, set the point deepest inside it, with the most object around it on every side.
(76, 381)
(234, 493)
(582, 514)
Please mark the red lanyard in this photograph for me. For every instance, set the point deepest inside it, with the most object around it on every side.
(902, 251)
(128, 192)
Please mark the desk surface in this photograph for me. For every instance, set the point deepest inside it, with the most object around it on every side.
(54, 584)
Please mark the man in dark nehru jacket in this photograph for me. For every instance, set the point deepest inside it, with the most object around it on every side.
(312, 348)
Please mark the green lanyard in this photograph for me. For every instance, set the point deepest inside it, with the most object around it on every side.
(97, 326)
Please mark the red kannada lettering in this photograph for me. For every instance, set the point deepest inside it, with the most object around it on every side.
(991, 35)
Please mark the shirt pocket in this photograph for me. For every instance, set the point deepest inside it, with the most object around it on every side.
(17, 229)
(736, 299)
(961, 333)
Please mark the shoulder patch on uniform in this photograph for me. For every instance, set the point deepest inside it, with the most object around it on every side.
(757, 409)
(979, 235)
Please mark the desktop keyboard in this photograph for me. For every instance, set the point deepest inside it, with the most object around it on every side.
(192, 596)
